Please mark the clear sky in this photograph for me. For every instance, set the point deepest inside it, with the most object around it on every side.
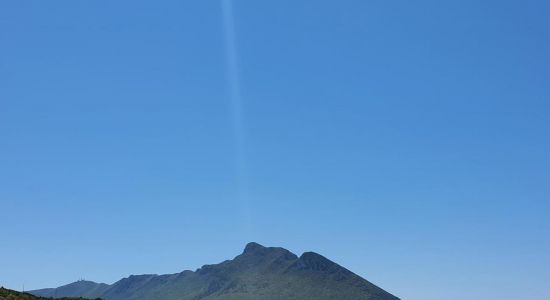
(406, 140)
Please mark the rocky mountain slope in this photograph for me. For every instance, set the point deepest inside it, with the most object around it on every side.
(258, 273)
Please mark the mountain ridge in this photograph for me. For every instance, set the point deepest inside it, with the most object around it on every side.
(259, 272)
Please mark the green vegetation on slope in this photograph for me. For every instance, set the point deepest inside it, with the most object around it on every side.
(6, 294)
(266, 273)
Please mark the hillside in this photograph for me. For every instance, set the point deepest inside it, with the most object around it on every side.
(6, 294)
(258, 273)
(81, 288)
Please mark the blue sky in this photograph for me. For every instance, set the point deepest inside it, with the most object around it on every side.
(406, 140)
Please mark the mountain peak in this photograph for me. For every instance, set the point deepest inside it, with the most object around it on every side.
(253, 247)
(316, 262)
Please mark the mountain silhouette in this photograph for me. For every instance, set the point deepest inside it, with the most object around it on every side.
(258, 273)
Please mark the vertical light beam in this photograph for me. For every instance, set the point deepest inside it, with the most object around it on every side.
(237, 111)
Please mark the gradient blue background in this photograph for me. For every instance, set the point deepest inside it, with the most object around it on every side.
(406, 140)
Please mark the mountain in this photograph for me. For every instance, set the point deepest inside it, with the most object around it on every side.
(81, 288)
(6, 294)
(258, 273)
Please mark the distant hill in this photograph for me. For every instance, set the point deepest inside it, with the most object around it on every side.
(81, 288)
(6, 294)
(258, 273)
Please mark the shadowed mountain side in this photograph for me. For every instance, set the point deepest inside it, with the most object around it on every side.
(258, 273)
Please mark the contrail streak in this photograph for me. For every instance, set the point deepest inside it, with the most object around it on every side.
(236, 98)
